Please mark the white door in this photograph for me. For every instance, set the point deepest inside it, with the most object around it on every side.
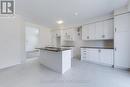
(31, 38)
(108, 29)
(106, 56)
(99, 30)
(92, 31)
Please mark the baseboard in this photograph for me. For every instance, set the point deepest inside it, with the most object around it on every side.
(9, 66)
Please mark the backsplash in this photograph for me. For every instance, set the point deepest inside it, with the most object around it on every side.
(98, 43)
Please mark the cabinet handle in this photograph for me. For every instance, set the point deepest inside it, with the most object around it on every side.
(103, 36)
(115, 49)
(99, 50)
(87, 37)
(115, 29)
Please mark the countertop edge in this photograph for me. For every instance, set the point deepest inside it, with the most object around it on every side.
(98, 47)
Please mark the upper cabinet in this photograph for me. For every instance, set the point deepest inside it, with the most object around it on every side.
(108, 29)
(85, 32)
(103, 30)
(68, 35)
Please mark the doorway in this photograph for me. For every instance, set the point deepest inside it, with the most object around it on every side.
(31, 42)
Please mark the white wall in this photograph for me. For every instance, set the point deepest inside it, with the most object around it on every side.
(12, 40)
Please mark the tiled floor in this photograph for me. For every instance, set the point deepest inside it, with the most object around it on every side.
(82, 74)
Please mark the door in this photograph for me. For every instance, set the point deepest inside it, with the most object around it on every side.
(31, 42)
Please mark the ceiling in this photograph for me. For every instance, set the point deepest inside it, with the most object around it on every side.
(47, 12)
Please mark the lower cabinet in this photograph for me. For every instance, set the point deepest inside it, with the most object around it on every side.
(106, 56)
(100, 56)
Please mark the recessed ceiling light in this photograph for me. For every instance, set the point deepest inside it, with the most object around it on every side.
(60, 22)
(76, 14)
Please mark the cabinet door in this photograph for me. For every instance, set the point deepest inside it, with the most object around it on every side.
(72, 34)
(122, 49)
(92, 31)
(106, 56)
(122, 22)
(94, 55)
(65, 34)
(85, 32)
(108, 29)
(121, 40)
(99, 31)
(53, 39)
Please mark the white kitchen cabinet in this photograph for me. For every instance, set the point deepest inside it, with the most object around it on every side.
(57, 33)
(108, 27)
(106, 56)
(122, 40)
(122, 22)
(88, 32)
(93, 55)
(84, 54)
(92, 31)
(99, 56)
(85, 32)
(99, 30)
(103, 30)
(68, 35)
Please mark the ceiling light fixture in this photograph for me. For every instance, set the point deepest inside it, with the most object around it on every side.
(76, 14)
(60, 22)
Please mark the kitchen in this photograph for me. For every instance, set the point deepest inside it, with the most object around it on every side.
(66, 45)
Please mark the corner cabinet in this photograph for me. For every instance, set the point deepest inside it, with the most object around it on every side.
(103, 30)
(99, 56)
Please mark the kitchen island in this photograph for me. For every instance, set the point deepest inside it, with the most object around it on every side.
(57, 59)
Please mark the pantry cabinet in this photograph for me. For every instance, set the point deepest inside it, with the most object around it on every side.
(95, 55)
(103, 30)
(122, 40)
